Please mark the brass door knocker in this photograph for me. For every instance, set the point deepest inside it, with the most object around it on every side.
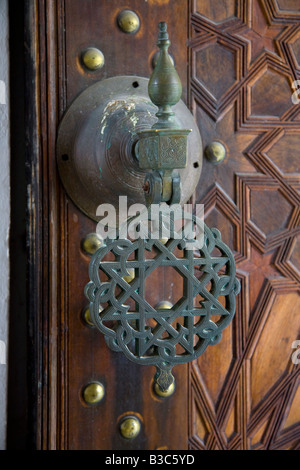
(150, 152)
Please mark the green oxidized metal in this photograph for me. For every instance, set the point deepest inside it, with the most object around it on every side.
(164, 146)
(163, 149)
(164, 86)
(163, 337)
(146, 335)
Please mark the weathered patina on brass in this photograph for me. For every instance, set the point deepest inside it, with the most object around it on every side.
(92, 58)
(130, 427)
(163, 148)
(91, 243)
(96, 144)
(165, 335)
(155, 335)
(128, 21)
(166, 393)
(164, 86)
(86, 317)
(215, 152)
(93, 393)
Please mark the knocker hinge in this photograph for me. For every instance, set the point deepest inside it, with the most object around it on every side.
(162, 187)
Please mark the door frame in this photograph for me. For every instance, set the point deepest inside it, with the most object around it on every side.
(35, 242)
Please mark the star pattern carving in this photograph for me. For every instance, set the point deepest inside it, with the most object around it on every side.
(260, 35)
(257, 267)
(235, 143)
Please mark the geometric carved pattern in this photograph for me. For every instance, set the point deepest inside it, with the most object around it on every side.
(260, 39)
(148, 336)
(270, 213)
(275, 152)
(294, 258)
(289, 6)
(268, 84)
(294, 412)
(272, 352)
(261, 35)
(215, 56)
(254, 197)
(295, 48)
(226, 10)
(269, 210)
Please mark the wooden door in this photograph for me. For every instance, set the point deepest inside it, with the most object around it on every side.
(237, 61)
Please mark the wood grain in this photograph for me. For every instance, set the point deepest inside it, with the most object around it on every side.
(237, 61)
(253, 190)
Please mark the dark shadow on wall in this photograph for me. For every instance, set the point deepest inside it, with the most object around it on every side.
(17, 427)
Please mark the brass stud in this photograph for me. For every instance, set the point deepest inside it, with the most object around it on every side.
(91, 243)
(166, 393)
(163, 305)
(92, 58)
(215, 152)
(93, 393)
(130, 427)
(130, 276)
(86, 316)
(128, 21)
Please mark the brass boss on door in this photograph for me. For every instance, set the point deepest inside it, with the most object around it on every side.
(127, 136)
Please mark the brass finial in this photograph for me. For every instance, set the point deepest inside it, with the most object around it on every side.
(164, 86)
(163, 36)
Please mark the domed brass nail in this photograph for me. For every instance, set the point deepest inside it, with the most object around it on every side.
(86, 316)
(93, 393)
(92, 58)
(166, 393)
(215, 152)
(128, 21)
(130, 276)
(130, 427)
(163, 304)
(91, 243)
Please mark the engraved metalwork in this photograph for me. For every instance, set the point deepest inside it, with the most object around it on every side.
(163, 148)
(96, 141)
(155, 336)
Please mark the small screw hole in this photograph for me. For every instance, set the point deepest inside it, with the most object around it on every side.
(65, 157)
(135, 84)
(196, 165)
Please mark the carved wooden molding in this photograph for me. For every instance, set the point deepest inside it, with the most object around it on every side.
(258, 52)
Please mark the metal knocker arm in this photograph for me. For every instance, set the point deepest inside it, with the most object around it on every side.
(162, 149)
(150, 152)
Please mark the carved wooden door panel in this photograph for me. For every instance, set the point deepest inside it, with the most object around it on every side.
(237, 61)
(244, 57)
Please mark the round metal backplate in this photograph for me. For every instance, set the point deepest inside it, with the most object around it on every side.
(96, 139)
